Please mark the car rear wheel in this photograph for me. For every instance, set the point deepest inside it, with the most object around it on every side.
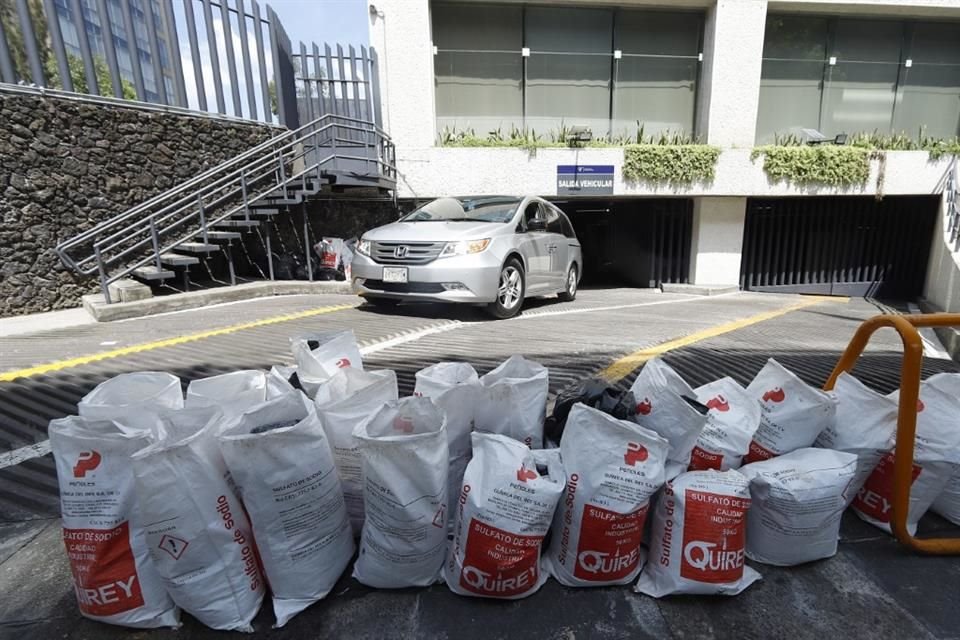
(510, 290)
(570, 293)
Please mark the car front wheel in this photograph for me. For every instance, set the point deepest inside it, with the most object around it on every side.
(570, 293)
(510, 289)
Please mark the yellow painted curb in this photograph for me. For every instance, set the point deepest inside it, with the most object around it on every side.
(624, 366)
(59, 365)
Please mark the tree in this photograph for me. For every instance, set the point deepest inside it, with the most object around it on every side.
(10, 23)
(79, 77)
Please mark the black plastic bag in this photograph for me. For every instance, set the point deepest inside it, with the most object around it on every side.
(595, 393)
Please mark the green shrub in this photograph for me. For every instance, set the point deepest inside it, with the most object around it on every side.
(670, 163)
(819, 164)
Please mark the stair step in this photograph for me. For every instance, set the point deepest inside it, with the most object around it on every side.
(261, 204)
(223, 235)
(237, 223)
(152, 273)
(263, 211)
(177, 260)
(198, 247)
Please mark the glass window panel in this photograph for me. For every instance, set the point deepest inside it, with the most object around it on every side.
(930, 100)
(479, 91)
(656, 92)
(795, 38)
(472, 27)
(568, 90)
(868, 40)
(571, 85)
(658, 33)
(569, 30)
(936, 42)
(791, 78)
(478, 85)
(858, 97)
(789, 98)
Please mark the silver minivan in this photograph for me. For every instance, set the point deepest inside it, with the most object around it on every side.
(486, 250)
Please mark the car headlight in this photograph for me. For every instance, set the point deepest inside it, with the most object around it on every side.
(363, 247)
(464, 247)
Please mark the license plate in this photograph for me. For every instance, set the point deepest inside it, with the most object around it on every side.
(394, 274)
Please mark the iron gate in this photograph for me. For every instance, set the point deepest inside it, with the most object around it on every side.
(856, 246)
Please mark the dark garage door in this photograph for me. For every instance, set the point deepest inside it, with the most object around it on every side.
(856, 246)
(640, 242)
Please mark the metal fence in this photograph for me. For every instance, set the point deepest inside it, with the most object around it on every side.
(221, 56)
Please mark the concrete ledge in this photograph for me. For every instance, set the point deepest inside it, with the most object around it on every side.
(949, 336)
(103, 312)
(700, 289)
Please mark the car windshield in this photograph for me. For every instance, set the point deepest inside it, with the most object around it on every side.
(491, 209)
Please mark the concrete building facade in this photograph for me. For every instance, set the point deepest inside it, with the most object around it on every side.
(730, 73)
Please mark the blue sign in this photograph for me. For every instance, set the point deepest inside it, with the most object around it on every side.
(584, 179)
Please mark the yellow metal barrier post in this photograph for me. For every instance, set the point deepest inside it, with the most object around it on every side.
(910, 371)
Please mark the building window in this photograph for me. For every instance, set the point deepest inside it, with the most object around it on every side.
(570, 76)
(839, 75)
(478, 69)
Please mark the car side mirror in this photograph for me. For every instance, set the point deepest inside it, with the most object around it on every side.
(536, 224)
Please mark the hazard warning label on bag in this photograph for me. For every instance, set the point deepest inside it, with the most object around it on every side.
(873, 499)
(713, 537)
(499, 563)
(104, 571)
(609, 545)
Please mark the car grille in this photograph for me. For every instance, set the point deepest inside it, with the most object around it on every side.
(403, 287)
(417, 252)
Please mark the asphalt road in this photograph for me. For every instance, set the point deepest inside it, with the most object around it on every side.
(872, 588)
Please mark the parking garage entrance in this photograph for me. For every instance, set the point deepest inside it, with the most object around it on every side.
(639, 242)
(854, 246)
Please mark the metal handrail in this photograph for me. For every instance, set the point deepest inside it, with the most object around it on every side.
(190, 209)
(205, 176)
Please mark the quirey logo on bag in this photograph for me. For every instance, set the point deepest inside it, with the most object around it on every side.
(343, 363)
(636, 452)
(775, 395)
(86, 461)
(714, 537)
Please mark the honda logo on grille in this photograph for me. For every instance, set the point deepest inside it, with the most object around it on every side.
(401, 251)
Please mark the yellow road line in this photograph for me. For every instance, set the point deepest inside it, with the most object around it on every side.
(624, 366)
(59, 365)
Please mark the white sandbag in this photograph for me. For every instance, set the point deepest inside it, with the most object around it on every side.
(114, 577)
(504, 510)
(947, 503)
(792, 413)
(865, 425)
(233, 392)
(613, 468)
(134, 399)
(731, 424)
(699, 537)
(513, 401)
(280, 380)
(280, 458)
(320, 355)
(797, 502)
(343, 402)
(454, 387)
(405, 460)
(659, 392)
(195, 526)
(936, 454)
